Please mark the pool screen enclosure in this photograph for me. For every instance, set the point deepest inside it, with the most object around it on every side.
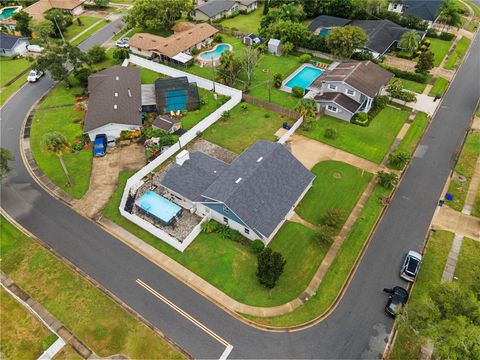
(175, 94)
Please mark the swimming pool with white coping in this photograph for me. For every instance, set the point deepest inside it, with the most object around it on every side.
(302, 77)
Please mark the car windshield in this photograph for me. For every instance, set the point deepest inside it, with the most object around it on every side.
(412, 265)
(32, 73)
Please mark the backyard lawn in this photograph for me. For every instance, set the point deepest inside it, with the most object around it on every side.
(75, 29)
(337, 185)
(91, 315)
(414, 133)
(465, 167)
(371, 142)
(439, 86)
(245, 127)
(439, 48)
(23, 335)
(248, 23)
(457, 56)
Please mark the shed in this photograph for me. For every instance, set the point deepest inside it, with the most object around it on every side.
(252, 39)
(167, 123)
(275, 47)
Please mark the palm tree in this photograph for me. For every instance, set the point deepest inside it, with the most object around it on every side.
(56, 143)
(409, 41)
(448, 14)
(306, 108)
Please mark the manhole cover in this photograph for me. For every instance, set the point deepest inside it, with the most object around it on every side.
(337, 175)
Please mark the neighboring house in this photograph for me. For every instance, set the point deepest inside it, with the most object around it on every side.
(252, 39)
(167, 123)
(218, 9)
(274, 47)
(349, 88)
(11, 45)
(424, 9)
(254, 194)
(114, 102)
(382, 34)
(73, 7)
(247, 5)
(175, 48)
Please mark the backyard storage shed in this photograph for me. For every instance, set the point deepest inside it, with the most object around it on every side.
(274, 47)
(11, 45)
(252, 39)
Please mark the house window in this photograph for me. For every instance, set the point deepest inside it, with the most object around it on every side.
(332, 87)
(350, 92)
(247, 231)
(332, 108)
(226, 209)
(225, 220)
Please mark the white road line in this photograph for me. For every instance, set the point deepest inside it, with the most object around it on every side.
(222, 341)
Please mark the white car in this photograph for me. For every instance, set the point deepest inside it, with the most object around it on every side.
(34, 76)
(410, 266)
(123, 43)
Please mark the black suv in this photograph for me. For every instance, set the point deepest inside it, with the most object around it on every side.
(397, 299)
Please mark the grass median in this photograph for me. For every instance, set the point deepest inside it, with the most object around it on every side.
(439, 87)
(414, 133)
(89, 32)
(457, 55)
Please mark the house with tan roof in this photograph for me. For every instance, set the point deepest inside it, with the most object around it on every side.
(73, 7)
(176, 48)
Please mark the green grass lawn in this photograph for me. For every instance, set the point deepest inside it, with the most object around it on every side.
(371, 142)
(476, 204)
(414, 133)
(69, 122)
(439, 48)
(61, 95)
(457, 56)
(439, 86)
(23, 335)
(407, 344)
(75, 29)
(5, 93)
(245, 127)
(10, 68)
(338, 271)
(87, 34)
(248, 23)
(231, 266)
(413, 86)
(337, 185)
(468, 265)
(465, 167)
(91, 315)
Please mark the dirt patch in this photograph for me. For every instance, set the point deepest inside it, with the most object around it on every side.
(213, 150)
(402, 64)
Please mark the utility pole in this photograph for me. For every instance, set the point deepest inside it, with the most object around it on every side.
(213, 68)
(56, 23)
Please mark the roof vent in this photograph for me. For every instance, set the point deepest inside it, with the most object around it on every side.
(182, 156)
(238, 180)
(129, 92)
(115, 106)
(117, 78)
(260, 159)
(116, 94)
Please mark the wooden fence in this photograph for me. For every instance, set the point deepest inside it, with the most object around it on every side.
(273, 107)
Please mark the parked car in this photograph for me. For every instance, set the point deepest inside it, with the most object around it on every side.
(411, 266)
(123, 42)
(396, 301)
(100, 145)
(34, 75)
(35, 48)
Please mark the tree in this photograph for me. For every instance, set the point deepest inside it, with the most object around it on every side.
(288, 31)
(120, 54)
(101, 3)
(5, 157)
(425, 62)
(229, 68)
(157, 14)
(287, 48)
(306, 108)
(277, 80)
(82, 75)
(270, 267)
(335, 217)
(59, 19)
(22, 19)
(266, 7)
(373, 7)
(249, 59)
(343, 41)
(387, 180)
(56, 143)
(399, 159)
(409, 41)
(448, 14)
(96, 54)
(285, 12)
(43, 30)
(340, 8)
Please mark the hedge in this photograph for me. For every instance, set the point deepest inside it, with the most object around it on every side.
(408, 75)
(442, 36)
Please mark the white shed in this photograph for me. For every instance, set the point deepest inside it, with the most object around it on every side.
(275, 47)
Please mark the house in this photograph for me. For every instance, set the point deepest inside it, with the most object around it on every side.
(252, 39)
(349, 88)
(382, 34)
(36, 10)
(11, 45)
(254, 194)
(167, 123)
(175, 48)
(274, 47)
(218, 9)
(424, 9)
(114, 103)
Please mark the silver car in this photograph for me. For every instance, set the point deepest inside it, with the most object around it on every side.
(411, 266)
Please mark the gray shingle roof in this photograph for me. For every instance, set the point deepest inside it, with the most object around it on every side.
(8, 42)
(114, 97)
(340, 99)
(327, 21)
(194, 175)
(424, 9)
(271, 182)
(215, 7)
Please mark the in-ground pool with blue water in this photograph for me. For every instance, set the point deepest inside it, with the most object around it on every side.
(176, 100)
(158, 206)
(304, 77)
(215, 53)
(7, 12)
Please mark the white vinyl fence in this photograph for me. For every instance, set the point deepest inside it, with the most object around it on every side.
(290, 132)
(235, 98)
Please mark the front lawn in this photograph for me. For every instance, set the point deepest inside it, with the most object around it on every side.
(413, 86)
(414, 133)
(337, 185)
(245, 127)
(439, 48)
(371, 142)
(466, 168)
(75, 29)
(439, 86)
(91, 315)
(10, 68)
(468, 265)
(248, 23)
(8, 91)
(457, 56)
(231, 266)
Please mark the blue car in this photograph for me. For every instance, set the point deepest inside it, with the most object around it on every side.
(100, 145)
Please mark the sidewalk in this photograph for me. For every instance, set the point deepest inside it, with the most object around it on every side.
(456, 222)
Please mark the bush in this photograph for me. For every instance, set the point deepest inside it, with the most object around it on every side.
(307, 125)
(331, 133)
(399, 159)
(425, 62)
(361, 119)
(257, 246)
(335, 217)
(326, 234)
(228, 233)
(82, 75)
(195, 51)
(442, 36)
(362, 55)
(96, 54)
(244, 107)
(379, 103)
(386, 179)
(408, 75)
(120, 54)
(277, 80)
(298, 92)
(210, 226)
(305, 58)
(270, 267)
(217, 37)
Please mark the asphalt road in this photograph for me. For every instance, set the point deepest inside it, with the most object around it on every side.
(357, 328)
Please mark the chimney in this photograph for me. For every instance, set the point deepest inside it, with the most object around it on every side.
(182, 156)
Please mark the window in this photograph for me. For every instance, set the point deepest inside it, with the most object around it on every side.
(226, 209)
(247, 231)
(225, 220)
(350, 92)
(332, 108)
(332, 87)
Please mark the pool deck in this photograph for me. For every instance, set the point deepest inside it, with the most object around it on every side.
(208, 63)
(293, 74)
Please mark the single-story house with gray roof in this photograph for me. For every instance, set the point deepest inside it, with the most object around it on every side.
(209, 10)
(11, 45)
(254, 194)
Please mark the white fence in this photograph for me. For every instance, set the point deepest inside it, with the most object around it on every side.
(235, 98)
(290, 132)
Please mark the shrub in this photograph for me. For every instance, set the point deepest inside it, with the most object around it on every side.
(195, 51)
(217, 37)
(228, 233)
(425, 62)
(79, 22)
(277, 80)
(399, 159)
(331, 133)
(408, 75)
(226, 115)
(297, 91)
(307, 125)
(379, 103)
(209, 226)
(386, 179)
(335, 217)
(326, 234)
(361, 119)
(362, 55)
(120, 54)
(270, 267)
(442, 36)
(96, 54)
(305, 58)
(257, 246)
(244, 107)
(266, 115)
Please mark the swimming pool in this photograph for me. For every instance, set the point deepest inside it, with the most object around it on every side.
(304, 77)
(215, 53)
(162, 209)
(7, 12)
(176, 100)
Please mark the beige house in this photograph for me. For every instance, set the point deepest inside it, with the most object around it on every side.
(73, 7)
